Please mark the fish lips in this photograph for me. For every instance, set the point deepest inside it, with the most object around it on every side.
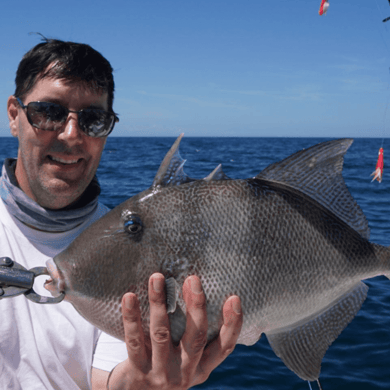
(55, 285)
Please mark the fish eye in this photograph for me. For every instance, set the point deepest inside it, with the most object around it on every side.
(132, 224)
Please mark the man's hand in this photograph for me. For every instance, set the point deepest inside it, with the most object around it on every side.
(161, 365)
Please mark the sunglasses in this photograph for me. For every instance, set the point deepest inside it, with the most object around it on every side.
(52, 117)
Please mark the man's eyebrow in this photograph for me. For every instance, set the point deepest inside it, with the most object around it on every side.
(50, 100)
(61, 103)
(98, 107)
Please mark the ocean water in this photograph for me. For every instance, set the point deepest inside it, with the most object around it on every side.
(360, 358)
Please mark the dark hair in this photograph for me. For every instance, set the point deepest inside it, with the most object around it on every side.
(70, 61)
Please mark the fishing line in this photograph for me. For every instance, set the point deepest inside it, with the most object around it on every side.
(384, 127)
(385, 113)
(388, 83)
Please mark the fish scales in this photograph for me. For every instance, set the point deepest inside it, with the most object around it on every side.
(282, 243)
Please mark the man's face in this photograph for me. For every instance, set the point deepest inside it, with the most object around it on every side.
(55, 167)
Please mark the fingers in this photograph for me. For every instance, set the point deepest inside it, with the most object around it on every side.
(220, 348)
(195, 336)
(159, 323)
(190, 363)
(134, 336)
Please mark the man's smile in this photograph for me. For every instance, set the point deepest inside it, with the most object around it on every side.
(64, 161)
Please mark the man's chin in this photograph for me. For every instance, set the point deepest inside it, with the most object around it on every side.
(59, 195)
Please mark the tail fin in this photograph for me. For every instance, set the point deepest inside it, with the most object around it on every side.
(387, 261)
(382, 254)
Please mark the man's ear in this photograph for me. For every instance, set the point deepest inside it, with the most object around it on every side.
(13, 115)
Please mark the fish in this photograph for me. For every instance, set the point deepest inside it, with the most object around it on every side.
(291, 242)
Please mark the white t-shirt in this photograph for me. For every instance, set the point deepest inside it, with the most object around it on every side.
(47, 346)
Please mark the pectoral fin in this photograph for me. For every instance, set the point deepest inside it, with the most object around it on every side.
(177, 317)
(303, 345)
(170, 285)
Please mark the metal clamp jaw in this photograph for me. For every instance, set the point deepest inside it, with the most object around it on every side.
(16, 280)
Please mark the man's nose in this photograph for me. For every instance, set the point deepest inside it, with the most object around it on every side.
(71, 133)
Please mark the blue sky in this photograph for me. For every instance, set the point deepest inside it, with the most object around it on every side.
(223, 68)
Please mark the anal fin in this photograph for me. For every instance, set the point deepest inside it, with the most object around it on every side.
(302, 346)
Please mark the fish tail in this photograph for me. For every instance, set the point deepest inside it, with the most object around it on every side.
(382, 253)
(387, 262)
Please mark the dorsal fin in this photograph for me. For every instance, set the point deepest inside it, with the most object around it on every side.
(217, 174)
(171, 171)
(316, 171)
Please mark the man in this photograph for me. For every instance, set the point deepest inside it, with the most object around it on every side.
(61, 113)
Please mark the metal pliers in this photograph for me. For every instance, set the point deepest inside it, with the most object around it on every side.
(16, 280)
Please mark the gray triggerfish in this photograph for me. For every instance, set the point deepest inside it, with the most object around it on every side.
(291, 242)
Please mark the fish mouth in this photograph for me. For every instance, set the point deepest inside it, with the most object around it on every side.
(54, 284)
(49, 286)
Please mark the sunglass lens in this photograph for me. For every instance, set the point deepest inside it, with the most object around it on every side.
(46, 116)
(96, 123)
